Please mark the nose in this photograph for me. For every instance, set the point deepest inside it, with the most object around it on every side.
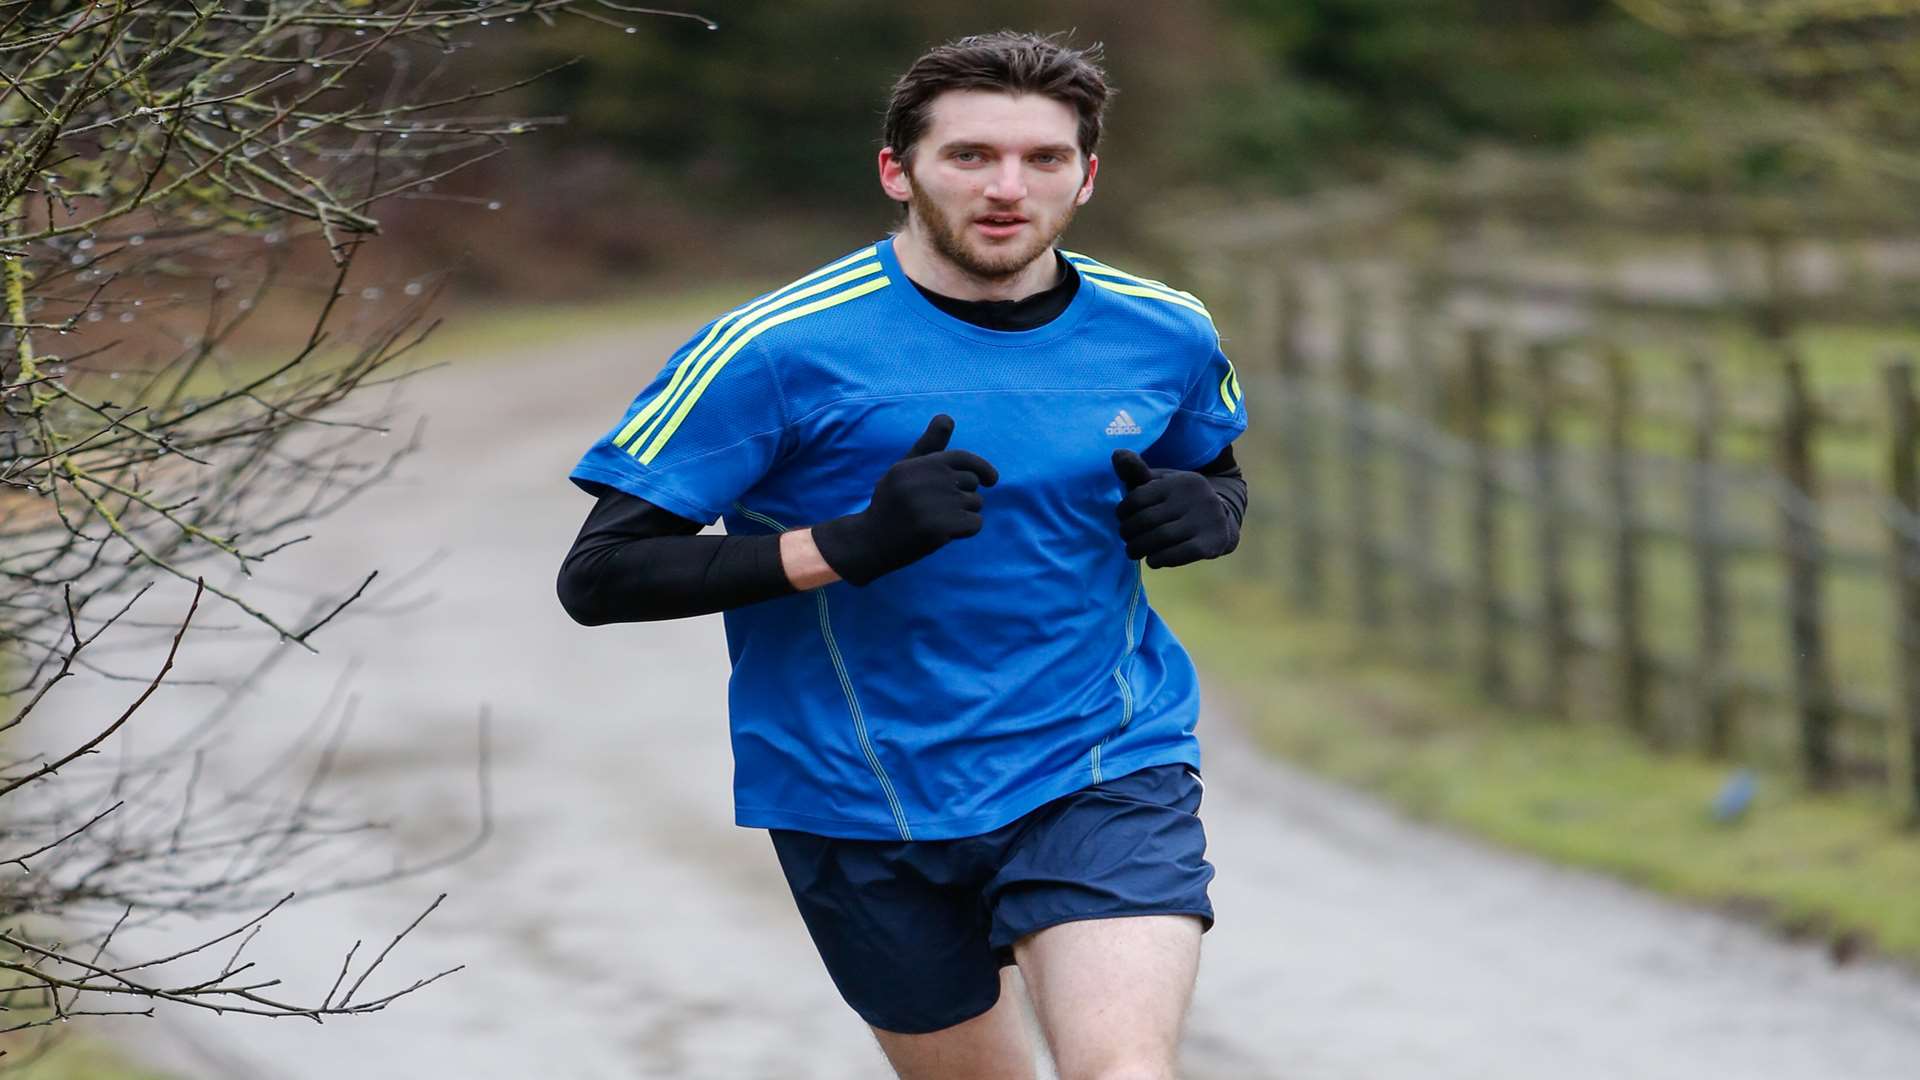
(1009, 183)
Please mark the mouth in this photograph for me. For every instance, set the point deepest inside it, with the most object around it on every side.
(999, 226)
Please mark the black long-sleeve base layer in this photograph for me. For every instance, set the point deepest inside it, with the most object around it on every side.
(635, 562)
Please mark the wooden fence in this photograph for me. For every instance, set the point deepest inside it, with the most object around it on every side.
(1564, 515)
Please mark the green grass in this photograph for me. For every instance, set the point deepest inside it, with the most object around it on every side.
(1582, 793)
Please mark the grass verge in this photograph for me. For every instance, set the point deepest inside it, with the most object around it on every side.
(1586, 794)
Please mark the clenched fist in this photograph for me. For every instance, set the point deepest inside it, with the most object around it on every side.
(1171, 517)
(925, 500)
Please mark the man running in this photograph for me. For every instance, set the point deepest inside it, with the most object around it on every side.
(940, 460)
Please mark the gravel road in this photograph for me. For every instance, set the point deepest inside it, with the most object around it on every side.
(618, 925)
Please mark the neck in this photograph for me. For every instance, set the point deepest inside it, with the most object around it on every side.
(922, 262)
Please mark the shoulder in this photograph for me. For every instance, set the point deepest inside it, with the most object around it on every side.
(1154, 302)
(813, 304)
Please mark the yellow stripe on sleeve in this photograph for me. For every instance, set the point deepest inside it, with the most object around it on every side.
(684, 372)
(1230, 387)
(1151, 294)
(701, 360)
(758, 328)
(1094, 266)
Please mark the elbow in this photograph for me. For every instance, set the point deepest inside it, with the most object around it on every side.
(576, 596)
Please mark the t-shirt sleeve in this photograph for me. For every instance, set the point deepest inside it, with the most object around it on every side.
(1208, 419)
(703, 432)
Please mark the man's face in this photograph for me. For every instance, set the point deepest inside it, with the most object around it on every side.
(994, 180)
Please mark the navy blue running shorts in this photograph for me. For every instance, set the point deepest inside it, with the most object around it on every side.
(915, 932)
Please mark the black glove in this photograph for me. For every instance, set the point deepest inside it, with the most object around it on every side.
(1171, 517)
(925, 499)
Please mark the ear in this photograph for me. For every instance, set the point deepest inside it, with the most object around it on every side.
(1086, 186)
(894, 178)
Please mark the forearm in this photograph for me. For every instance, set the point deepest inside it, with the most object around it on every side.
(634, 562)
(670, 577)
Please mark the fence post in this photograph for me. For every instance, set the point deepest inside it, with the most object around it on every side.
(1258, 356)
(1363, 533)
(1775, 310)
(1713, 703)
(1420, 478)
(1300, 424)
(1483, 538)
(1800, 536)
(1262, 282)
(1550, 531)
(1903, 557)
(1623, 484)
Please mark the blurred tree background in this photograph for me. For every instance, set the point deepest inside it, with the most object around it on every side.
(692, 151)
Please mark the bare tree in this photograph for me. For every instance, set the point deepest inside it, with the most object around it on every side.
(161, 159)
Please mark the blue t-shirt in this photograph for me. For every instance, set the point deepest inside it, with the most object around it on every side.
(1006, 669)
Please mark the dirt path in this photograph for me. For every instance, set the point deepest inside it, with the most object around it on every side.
(618, 925)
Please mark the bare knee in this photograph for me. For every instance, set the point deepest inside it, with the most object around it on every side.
(1135, 1062)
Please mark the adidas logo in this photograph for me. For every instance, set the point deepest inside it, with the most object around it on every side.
(1123, 423)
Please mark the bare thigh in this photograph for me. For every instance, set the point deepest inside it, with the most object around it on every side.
(991, 1046)
(1112, 994)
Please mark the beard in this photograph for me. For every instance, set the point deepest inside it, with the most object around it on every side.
(949, 237)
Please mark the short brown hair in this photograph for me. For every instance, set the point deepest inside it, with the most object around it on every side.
(1005, 60)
